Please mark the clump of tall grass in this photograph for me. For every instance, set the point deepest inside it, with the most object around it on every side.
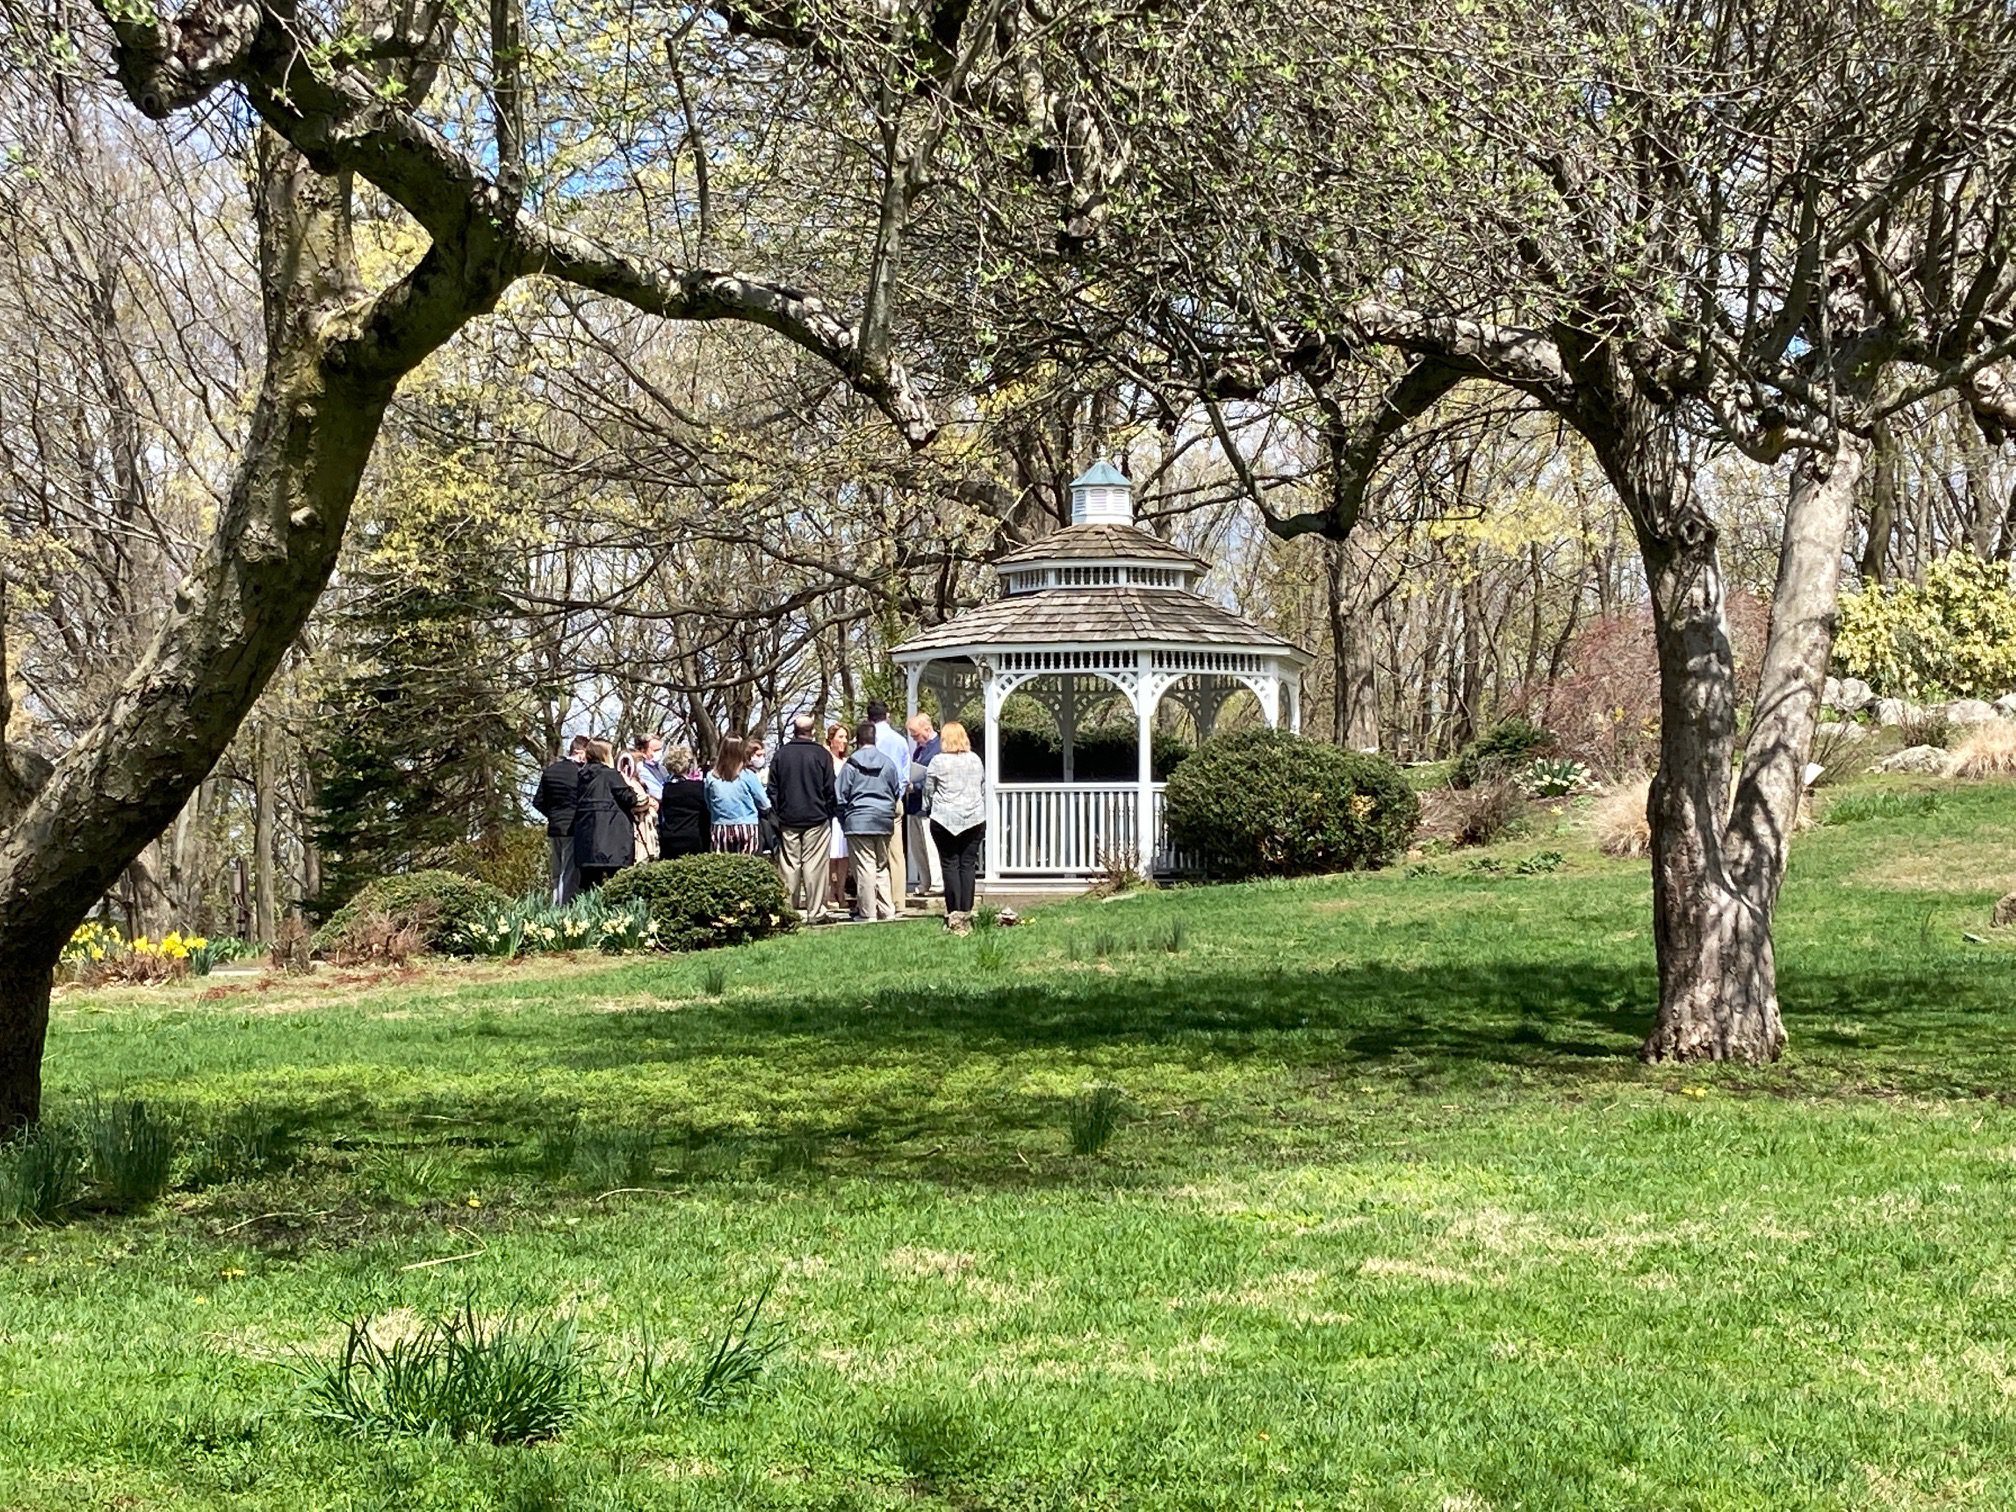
(617, 1157)
(249, 1142)
(131, 1153)
(41, 1173)
(738, 1356)
(1989, 750)
(664, 1381)
(1619, 823)
(1095, 1116)
(508, 1380)
(990, 949)
(1858, 808)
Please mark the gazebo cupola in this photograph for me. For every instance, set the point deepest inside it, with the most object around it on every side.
(1099, 606)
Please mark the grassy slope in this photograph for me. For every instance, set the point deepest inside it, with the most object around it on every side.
(1397, 1222)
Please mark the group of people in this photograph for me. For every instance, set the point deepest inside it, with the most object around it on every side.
(893, 812)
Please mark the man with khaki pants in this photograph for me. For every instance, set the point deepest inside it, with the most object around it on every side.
(801, 790)
(871, 808)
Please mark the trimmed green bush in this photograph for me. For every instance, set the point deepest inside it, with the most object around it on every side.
(1268, 803)
(443, 904)
(702, 901)
(1509, 745)
(515, 861)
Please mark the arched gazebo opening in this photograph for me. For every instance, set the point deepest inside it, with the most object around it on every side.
(1099, 610)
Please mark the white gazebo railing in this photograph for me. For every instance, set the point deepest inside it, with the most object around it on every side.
(1066, 829)
(1053, 828)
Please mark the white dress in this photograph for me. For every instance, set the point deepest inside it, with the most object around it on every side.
(839, 848)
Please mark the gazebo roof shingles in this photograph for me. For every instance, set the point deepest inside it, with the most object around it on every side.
(1089, 617)
(1125, 543)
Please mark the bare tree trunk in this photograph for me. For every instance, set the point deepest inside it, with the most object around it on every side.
(1875, 560)
(1469, 699)
(1719, 861)
(265, 826)
(1354, 693)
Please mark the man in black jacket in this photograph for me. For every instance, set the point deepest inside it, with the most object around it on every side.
(559, 784)
(801, 792)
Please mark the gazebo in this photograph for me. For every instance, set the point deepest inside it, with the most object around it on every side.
(1097, 607)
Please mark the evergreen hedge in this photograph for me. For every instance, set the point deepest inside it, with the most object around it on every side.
(443, 903)
(702, 901)
(1268, 803)
(1506, 747)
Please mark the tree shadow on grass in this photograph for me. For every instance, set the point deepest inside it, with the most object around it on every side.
(798, 1087)
(1438, 1021)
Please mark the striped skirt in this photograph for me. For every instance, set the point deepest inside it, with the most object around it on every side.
(737, 839)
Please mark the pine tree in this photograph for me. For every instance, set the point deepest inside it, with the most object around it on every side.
(419, 727)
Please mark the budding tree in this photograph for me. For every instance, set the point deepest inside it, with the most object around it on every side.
(389, 96)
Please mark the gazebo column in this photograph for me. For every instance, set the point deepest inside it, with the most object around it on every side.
(1067, 723)
(990, 685)
(1292, 684)
(916, 671)
(1146, 695)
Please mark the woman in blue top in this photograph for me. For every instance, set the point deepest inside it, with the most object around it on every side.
(735, 801)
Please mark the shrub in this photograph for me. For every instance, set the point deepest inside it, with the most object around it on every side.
(1603, 705)
(506, 1381)
(292, 947)
(1925, 727)
(1119, 872)
(1482, 814)
(514, 861)
(1988, 751)
(1619, 821)
(456, 902)
(1499, 751)
(1264, 802)
(1951, 636)
(702, 901)
(377, 938)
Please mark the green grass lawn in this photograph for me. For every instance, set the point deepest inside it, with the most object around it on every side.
(1394, 1219)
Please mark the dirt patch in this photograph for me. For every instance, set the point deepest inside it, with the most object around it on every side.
(946, 1265)
(1413, 1270)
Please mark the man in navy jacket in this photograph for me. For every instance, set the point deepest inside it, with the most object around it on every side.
(801, 792)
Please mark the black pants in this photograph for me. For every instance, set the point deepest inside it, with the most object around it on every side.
(960, 854)
(593, 877)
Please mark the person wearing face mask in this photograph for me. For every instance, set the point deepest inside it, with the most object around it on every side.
(639, 767)
(685, 826)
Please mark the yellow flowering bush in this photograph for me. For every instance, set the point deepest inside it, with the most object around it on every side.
(1952, 636)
